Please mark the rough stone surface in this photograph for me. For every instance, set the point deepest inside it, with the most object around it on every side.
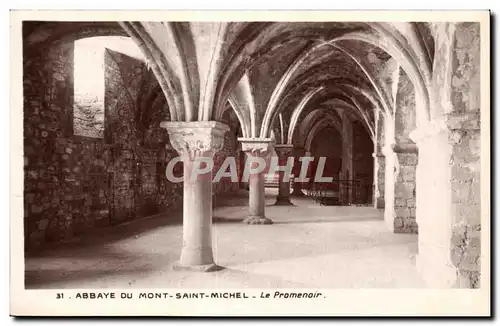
(464, 125)
(452, 150)
(379, 187)
(405, 194)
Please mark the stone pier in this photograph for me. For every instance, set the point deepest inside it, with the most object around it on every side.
(196, 141)
(256, 149)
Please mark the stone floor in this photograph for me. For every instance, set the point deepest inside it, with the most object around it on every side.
(308, 246)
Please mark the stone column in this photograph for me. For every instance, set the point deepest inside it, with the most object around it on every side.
(379, 180)
(434, 209)
(284, 152)
(195, 141)
(400, 188)
(405, 189)
(297, 186)
(449, 202)
(390, 179)
(379, 160)
(256, 148)
(347, 162)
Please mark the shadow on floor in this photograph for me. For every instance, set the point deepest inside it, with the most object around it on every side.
(42, 279)
(331, 220)
(133, 228)
(101, 254)
(222, 219)
(248, 279)
(238, 198)
(86, 263)
(100, 237)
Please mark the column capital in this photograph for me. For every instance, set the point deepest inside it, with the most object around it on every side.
(284, 147)
(196, 138)
(283, 150)
(257, 146)
(405, 148)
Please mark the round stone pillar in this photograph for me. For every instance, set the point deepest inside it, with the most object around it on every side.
(196, 143)
(256, 149)
(379, 180)
(434, 209)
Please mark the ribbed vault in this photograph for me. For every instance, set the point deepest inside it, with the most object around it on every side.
(202, 65)
(271, 73)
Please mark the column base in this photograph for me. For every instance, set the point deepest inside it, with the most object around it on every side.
(282, 201)
(257, 220)
(177, 266)
(297, 193)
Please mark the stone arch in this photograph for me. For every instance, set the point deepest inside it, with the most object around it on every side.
(316, 127)
(274, 107)
(401, 55)
(40, 35)
(163, 72)
(306, 134)
(297, 112)
(372, 34)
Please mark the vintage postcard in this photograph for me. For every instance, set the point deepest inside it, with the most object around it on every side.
(281, 163)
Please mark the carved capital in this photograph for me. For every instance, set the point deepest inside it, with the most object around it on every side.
(197, 138)
(260, 147)
(283, 150)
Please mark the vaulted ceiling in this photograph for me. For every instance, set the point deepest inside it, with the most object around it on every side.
(269, 70)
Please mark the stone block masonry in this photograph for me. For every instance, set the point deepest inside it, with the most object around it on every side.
(405, 194)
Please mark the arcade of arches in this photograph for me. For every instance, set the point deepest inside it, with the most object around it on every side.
(394, 108)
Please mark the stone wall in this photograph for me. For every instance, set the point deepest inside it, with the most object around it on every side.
(379, 161)
(405, 191)
(405, 158)
(465, 137)
(390, 163)
(379, 180)
(134, 109)
(449, 169)
(49, 183)
(74, 183)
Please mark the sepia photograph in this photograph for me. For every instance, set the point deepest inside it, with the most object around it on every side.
(262, 163)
